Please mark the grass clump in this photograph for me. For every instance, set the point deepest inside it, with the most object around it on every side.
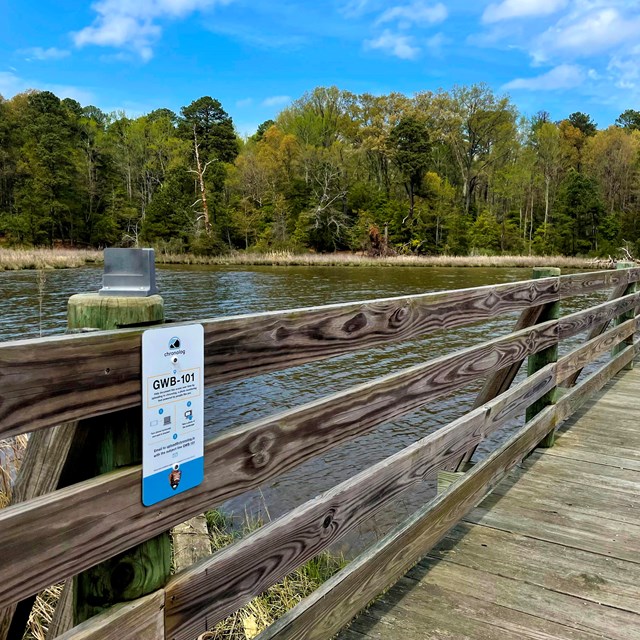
(37, 258)
(347, 259)
(12, 259)
(248, 622)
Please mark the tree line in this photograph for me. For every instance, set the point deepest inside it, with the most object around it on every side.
(447, 172)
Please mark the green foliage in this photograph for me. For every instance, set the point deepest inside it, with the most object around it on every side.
(580, 209)
(437, 173)
(583, 122)
(213, 127)
(629, 119)
(485, 234)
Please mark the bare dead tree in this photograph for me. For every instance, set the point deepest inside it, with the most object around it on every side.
(200, 171)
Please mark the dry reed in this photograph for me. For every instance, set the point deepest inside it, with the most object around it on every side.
(15, 259)
(12, 259)
(345, 259)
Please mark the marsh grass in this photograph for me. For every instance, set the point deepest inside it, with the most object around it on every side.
(14, 259)
(256, 616)
(42, 613)
(346, 259)
(11, 453)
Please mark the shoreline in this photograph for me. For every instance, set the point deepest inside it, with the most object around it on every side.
(21, 259)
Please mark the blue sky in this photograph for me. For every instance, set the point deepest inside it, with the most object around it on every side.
(255, 56)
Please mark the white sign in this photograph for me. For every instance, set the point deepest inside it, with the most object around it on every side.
(172, 411)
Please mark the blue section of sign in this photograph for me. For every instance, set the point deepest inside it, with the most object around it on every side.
(171, 481)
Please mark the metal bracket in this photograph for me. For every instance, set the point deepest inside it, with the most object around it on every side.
(129, 273)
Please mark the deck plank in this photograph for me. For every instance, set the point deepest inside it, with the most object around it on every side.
(553, 552)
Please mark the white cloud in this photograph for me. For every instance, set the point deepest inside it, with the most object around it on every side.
(245, 102)
(624, 70)
(436, 43)
(131, 24)
(11, 84)
(587, 34)
(39, 53)
(395, 44)
(509, 9)
(355, 8)
(276, 101)
(564, 76)
(418, 12)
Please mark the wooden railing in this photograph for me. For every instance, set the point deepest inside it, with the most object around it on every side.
(47, 382)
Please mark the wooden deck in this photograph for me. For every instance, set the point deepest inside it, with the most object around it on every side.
(553, 552)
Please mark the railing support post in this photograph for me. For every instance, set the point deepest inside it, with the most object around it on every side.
(629, 315)
(111, 442)
(541, 359)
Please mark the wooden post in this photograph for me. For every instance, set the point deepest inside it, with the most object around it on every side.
(541, 359)
(113, 441)
(629, 315)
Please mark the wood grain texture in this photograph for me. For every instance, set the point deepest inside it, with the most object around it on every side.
(110, 443)
(499, 381)
(442, 612)
(589, 576)
(190, 542)
(586, 618)
(631, 288)
(541, 493)
(211, 590)
(39, 473)
(62, 620)
(92, 310)
(590, 350)
(595, 331)
(569, 528)
(54, 380)
(556, 540)
(141, 619)
(580, 321)
(541, 359)
(101, 510)
(571, 401)
(577, 283)
(330, 607)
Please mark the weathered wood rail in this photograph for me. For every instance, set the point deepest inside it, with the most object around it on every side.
(52, 381)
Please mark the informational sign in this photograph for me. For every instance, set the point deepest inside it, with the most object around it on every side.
(172, 411)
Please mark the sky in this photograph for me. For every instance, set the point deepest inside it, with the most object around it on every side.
(256, 56)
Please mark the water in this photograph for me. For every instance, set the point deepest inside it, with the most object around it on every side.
(199, 293)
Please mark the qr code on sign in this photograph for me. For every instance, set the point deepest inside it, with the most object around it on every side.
(167, 420)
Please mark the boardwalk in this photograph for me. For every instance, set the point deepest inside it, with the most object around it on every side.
(552, 553)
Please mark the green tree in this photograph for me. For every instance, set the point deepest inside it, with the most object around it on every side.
(210, 130)
(411, 152)
(47, 190)
(580, 210)
(629, 119)
(479, 128)
(583, 122)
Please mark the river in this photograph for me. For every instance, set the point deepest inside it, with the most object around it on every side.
(32, 308)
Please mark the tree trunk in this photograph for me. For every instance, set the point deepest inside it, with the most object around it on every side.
(203, 191)
(546, 204)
